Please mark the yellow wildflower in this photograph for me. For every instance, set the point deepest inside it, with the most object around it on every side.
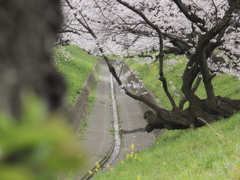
(235, 157)
(97, 164)
(132, 146)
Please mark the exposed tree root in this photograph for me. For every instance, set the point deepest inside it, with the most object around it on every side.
(192, 116)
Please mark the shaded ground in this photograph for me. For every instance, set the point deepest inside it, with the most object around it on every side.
(98, 138)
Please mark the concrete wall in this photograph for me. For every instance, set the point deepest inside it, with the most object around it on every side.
(150, 96)
(78, 111)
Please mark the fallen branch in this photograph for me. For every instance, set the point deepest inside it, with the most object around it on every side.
(205, 122)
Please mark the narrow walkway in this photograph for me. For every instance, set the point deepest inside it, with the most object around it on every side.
(98, 138)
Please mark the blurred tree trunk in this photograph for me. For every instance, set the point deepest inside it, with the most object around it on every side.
(27, 34)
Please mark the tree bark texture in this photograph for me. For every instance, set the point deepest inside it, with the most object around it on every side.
(184, 119)
(27, 34)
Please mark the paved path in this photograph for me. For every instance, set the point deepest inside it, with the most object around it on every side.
(98, 139)
(131, 118)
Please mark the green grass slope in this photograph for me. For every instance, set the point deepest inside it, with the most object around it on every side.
(75, 65)
(186, 155)
(210, 152)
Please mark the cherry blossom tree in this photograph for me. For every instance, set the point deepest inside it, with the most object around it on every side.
(196, 28)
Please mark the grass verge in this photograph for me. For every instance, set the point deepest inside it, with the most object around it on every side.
(90, 103)
(75, 65)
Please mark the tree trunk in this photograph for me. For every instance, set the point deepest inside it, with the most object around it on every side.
(27, 34)
(191, 116)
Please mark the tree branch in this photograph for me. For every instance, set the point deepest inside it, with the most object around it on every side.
(195, 87)
(204, 49)
(190, 73)
(139, 56)
(69, 31)
(160, 55)
(216, 10)
(192, 17)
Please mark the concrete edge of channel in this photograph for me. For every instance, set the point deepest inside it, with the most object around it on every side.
(78, 110)
(156, 132)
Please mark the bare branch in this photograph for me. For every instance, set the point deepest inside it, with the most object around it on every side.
(69, 31)
(192, 17)
(216, 10)
(139, 56)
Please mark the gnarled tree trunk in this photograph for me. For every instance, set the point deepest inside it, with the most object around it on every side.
(199, 111)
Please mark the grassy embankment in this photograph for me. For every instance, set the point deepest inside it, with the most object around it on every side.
(75, 65)
(202, 154)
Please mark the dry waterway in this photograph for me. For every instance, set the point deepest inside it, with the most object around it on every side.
(99, 140)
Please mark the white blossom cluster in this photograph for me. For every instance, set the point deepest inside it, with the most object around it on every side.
(65, 54)
(111, 21)
(134, 85)
(172, 87)
(122, 32)
(171, 62)
(226, 67)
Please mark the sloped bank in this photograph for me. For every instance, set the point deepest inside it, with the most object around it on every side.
(78, 110)
(149, 95)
